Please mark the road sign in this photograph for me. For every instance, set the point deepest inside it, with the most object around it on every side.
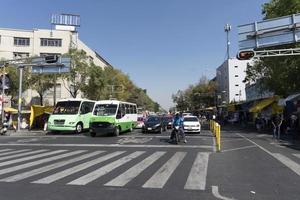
(269, 33)
(62, 66)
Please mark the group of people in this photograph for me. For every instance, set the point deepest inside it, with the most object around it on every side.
(278, 124)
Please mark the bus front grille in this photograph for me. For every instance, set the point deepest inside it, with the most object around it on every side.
(59, 121)
(101, 124)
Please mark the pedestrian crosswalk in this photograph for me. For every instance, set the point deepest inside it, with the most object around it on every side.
(109, 168)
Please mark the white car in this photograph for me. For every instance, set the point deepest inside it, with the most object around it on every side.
(191, 124)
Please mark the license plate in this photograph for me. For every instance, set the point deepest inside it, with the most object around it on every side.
(149, 129)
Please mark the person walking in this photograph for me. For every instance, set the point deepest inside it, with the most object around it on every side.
(276, 122)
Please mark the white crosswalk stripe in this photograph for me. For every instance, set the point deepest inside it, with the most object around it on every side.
(105, 169)
(288, 162)
(12, 152)
(159, 179)
(73, 170)
(38, 162)
(297, 155)
(72, 162)
(4, 150)
(197, 176)
(40, 170)
(127, 176)
(30, 157)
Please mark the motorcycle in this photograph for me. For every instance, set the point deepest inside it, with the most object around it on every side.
(3, 128)
(175, 135)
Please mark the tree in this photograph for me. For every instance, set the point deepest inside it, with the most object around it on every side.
(41, 83)
(77, 78)
(196, 96)
(13, 90)
(277, 74)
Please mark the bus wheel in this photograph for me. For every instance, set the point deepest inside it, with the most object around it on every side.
(79, 128)
(117, 131)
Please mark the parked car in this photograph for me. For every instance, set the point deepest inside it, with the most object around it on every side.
(191, 124)
(153, 124)
(140, 122)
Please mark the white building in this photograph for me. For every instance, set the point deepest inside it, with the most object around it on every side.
(230, 85)
(16, 43)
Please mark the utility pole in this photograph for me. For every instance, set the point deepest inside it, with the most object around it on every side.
(3, 92)
(20, 97)
(227, 29)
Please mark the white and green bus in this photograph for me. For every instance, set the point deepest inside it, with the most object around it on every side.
(71, 115)
(113, 117)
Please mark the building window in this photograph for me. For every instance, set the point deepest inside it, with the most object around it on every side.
(237, 95)
(49, 42)
(236, 76)
(0, 39)
(20, 55)
(236, 66)
(237, 85)
(19, 41)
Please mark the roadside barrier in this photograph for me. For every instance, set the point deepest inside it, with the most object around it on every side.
(215, 129)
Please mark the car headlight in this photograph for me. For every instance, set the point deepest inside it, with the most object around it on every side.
(157, 125)
(197, 125)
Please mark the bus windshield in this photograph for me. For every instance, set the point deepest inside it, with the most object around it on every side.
(66, 107)
(105, 109)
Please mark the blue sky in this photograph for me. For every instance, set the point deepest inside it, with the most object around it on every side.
(163, 45)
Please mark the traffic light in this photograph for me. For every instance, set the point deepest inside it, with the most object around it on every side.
(51, 58)
(245, 55)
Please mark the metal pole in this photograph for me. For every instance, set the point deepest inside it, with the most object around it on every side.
(54, 90)
(20, 97)
(3, 92)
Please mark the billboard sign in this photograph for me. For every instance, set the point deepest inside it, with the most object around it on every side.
(269, 33)
(65, 19)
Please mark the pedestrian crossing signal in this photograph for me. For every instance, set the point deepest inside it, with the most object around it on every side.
(245, 55)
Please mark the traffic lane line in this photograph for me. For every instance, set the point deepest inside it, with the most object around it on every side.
(239, 148)
(111, 145)
(295, 167)
(215, 192)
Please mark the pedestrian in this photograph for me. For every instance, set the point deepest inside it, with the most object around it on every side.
(276, 122)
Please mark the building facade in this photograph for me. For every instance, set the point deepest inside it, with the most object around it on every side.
(230, 76)
(16, 43)
(254, 90)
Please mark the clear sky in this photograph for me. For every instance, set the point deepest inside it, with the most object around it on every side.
(163, 45)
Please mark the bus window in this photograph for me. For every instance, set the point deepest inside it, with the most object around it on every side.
(66, 107)
(105, 109)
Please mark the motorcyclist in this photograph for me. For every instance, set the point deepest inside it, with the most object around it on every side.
(178, 121)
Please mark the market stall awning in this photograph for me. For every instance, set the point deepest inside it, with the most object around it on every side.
(37, 110)
(10, 110)
(276, 108)
(282, 102)
(262, 104)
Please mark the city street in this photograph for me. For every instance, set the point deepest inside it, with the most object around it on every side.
(139, 166)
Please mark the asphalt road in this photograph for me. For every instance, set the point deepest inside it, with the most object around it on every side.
(138, 166)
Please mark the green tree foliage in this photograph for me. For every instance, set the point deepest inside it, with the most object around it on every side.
(77, 78)
(277, 74)
(13, 91)
(41, 83)
(196, 96)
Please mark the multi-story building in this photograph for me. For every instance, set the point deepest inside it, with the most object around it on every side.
(230, 85)
(15, 43)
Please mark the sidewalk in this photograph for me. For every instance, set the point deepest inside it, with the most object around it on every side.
(26, 133)
(286, 139)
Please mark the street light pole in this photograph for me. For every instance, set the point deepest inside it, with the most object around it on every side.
(227, 28)
(3, 92)
(20, 97)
